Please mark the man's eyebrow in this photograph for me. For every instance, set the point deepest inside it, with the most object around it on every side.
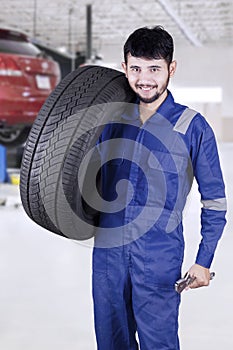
(150, 67)
(133, 66)
(155, 66)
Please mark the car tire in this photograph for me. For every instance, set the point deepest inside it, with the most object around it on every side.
(53, 151)
(15, 137)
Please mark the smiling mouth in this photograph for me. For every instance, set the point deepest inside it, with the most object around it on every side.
(146, 87)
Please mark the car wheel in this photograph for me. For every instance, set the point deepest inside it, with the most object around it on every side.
(66, 128)
(13, 137)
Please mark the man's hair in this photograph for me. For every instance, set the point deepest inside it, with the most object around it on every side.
(150, 43)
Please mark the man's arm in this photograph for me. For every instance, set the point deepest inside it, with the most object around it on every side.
(207, 171)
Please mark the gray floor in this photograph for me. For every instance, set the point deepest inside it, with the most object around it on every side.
(45, 283)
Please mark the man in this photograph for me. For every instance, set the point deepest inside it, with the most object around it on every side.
(161, 146)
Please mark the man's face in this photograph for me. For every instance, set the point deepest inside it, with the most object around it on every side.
(149, 78)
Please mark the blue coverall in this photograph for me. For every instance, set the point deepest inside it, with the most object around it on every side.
(147, 172)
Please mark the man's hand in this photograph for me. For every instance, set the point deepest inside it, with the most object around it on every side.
(201, 274)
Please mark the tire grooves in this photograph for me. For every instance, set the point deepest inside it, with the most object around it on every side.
(64, 84)
(71, 140)
(47, 130)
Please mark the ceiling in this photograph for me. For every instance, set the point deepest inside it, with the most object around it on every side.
(60, 23)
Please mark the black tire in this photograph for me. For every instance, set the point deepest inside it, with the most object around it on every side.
(65, 129)
(14, 137)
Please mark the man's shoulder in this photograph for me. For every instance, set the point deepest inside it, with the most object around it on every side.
(189, 118)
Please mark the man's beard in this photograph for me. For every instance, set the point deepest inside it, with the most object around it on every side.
(156, 95)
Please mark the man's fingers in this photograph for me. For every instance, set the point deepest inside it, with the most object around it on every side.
(199, 282)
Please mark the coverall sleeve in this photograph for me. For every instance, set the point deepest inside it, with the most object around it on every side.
(207, 171)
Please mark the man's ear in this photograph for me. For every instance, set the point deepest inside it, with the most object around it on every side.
(124, 66)
(172, 68)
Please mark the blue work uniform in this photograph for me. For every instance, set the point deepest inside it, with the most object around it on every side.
(146, 174)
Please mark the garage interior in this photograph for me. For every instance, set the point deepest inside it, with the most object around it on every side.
(45, 294)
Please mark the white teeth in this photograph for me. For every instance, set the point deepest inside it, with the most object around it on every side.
(146, 88)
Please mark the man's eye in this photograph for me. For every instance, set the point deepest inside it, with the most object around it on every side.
(134, 69)
(154, 70)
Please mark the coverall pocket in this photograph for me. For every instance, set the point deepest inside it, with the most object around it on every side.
(166, 162)
(167, 181)
(115, 154)
(164, 257)
(116, 161)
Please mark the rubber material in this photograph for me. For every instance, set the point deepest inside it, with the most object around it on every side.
(53, 151)
(14, 138)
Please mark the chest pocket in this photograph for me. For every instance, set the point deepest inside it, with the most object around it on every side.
(113, 155)
(116, 161)
(167, 162)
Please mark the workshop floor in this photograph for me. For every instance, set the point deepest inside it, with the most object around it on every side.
(45, 282)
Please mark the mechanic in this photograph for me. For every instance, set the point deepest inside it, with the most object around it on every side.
(149, 159)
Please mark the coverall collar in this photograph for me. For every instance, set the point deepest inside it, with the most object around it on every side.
(132, 112)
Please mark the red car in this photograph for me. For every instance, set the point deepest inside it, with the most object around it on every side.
(27, 77)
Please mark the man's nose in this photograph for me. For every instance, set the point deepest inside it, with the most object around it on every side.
(144, 77)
